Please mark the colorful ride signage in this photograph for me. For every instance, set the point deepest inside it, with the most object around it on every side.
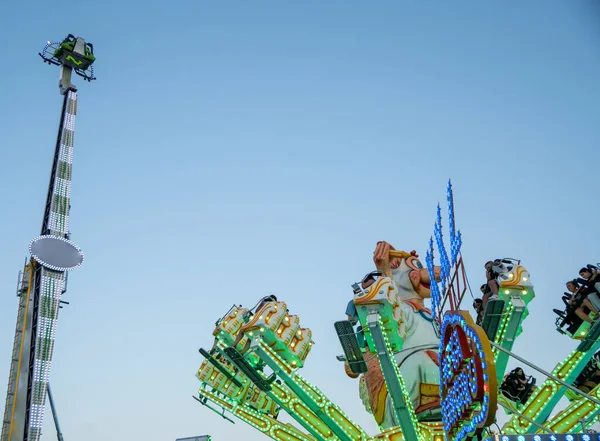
(468, 383)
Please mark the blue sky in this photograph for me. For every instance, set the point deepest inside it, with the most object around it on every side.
(237, 148)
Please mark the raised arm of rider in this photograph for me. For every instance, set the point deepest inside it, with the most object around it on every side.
(381, 258)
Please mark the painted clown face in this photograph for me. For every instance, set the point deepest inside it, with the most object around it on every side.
(413, 276)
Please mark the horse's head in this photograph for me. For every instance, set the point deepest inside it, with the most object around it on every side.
(412, 277)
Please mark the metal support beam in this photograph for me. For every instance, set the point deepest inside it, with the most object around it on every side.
(267, 387)
(394, 387)
(63, 114)
(54, 415)
(57, 204)
(222, 415)
(539, 426)
(589, 420)
(195, 438)
(308, 399)
(37, 281)
(512, 327)
(547, 374)
(514, 321)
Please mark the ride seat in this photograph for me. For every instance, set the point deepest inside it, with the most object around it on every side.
(212, 377)
(268, 317)
(235, 392)
(260, 401)
(209, 375)
(230, 325)
(205, 371)
(300, 346)
(382, 296)
(594, 300)
(288, 327)
(292, 343)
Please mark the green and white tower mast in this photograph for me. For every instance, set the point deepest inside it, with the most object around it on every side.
(43, 279)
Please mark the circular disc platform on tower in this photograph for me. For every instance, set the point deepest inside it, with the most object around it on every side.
(56, 253)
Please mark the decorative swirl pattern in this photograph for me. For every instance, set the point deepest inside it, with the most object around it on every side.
(384, 292)
(518, 277)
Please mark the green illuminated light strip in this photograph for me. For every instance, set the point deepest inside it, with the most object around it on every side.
(547, 395)
(568, 421)
(505, 339)
(51, 281)
(510, 327)
(263, 423)
(394, 382)
(344, 428)
(295, 407)
(58, 222)
(51, 289)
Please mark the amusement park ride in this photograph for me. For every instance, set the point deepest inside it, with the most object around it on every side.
(44, 278)
(423, 375)
(427, 375)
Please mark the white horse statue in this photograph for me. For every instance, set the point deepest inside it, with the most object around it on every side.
(418, 359)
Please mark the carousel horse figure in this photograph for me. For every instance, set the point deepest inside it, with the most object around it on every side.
(418, 358)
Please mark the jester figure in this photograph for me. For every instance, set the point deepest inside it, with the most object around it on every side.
(418, 359)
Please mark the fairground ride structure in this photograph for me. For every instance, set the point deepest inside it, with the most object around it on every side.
(44, 278)
(427, 375)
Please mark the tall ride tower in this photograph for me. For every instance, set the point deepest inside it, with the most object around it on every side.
(44, 277)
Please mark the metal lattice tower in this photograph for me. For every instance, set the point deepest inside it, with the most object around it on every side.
(43, 280)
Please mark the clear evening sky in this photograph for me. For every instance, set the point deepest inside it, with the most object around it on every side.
(231, 149)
